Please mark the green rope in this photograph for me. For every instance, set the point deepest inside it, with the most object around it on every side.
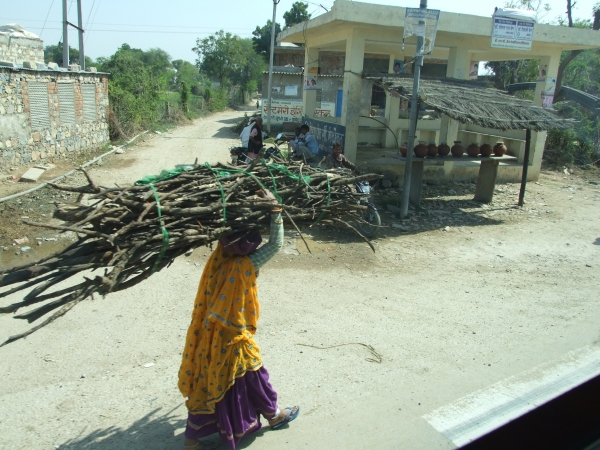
(220, 173)
(164, 175)
(165, 233)
(281, 168)
(274, 182)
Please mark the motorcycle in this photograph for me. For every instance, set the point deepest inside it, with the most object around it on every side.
(239, 155)
(370, 221)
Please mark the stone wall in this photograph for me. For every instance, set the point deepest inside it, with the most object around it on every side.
(22, 143)
(19, 49)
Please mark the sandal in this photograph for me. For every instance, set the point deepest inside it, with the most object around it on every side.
(201, 445)
(288, 418)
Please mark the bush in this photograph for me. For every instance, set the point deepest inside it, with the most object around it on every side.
(216, 100)
(564, 148)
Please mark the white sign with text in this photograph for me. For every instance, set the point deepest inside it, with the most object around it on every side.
(283, 110)
(511, 29)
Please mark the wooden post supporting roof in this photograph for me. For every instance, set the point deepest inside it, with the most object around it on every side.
(525, 166)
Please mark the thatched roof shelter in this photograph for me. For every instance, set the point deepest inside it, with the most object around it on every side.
(475, 102)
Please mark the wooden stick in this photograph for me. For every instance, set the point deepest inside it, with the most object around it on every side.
(298, 230)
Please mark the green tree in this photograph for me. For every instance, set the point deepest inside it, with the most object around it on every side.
(262, 38)
(248, 76)
(136, 89)
(54, 53)
(509, 72)
(184, 95)
(187, 73)
(568, 57)
(220, 56)
(297, 14)
(157, 59)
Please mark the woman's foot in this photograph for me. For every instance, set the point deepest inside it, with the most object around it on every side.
(195, 444)
(285, 415)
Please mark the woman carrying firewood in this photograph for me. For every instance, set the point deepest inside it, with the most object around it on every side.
(221, 374)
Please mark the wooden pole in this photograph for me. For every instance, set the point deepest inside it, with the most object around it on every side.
(525, 166)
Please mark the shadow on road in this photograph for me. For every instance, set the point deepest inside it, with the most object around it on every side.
(148, 433)
(597, 241)
(151, 432)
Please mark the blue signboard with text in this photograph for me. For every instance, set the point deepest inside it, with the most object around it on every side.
(326, 133)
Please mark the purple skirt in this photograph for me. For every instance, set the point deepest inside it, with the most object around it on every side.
(238, 413)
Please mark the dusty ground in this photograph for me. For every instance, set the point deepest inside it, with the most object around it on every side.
(455, 299)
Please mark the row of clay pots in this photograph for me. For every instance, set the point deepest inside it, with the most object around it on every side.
(421, 150)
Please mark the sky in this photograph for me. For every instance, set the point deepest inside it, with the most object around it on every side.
(174, 26)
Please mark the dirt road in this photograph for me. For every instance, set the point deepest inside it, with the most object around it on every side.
(459, 305)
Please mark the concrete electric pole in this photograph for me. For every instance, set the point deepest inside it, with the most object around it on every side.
(414, 114)
(65, 63)
(79, 27)
(275, 2)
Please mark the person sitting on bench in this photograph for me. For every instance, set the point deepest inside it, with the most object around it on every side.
(308, 147)
(294, 143)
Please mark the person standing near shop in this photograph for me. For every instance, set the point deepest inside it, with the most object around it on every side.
(255, 141)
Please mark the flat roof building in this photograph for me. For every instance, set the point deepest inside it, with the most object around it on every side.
(353, 29)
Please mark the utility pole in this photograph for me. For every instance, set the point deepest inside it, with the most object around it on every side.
(80, 28)
(414, 114)
(65, 36)
(275, 2)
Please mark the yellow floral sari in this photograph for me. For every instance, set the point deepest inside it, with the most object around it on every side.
(220, 346)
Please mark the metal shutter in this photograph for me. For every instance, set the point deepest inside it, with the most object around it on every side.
(89, 102)
(66, 103)
(38, 105)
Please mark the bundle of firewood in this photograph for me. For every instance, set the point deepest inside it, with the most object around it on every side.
(127, 234)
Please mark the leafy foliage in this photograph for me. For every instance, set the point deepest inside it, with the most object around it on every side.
(297, 14)
(230, 60)
(220, 56)
(509, 72)
(187, 73)
(249, 76)
(262, 38)
(136, 88)
(565, 148)
(54, 53)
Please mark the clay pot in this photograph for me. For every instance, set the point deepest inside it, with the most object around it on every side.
(443, 149)
(499, 149)
(485, 150)
(457, 149)
(421, 150)
(432, 149)
(404, 148)
(473, 150)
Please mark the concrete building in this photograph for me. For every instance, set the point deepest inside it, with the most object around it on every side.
(356, 32)
(46, 111)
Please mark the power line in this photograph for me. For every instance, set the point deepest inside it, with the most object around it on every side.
(132, 25)
(49, 9)
(91, 9)
(155, 31)
(93, 19)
